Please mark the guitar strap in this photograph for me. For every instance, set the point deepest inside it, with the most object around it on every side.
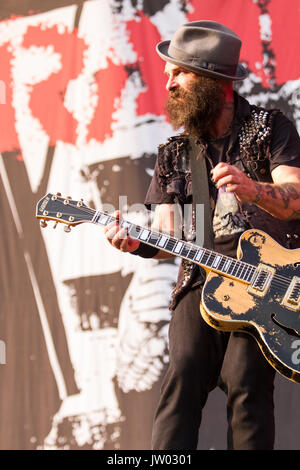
(201, 198)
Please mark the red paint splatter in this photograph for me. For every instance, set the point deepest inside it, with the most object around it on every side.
(242, 17)
(47, 97)
(285, 18)
(144, 37)
(110, 82)
(9, 141)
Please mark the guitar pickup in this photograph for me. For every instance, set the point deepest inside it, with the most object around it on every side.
(292, 296)
(261, 280)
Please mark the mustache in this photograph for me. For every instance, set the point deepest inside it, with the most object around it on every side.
(177, 93)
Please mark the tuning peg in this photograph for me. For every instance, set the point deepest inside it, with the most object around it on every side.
(43, 223)
(67, 228)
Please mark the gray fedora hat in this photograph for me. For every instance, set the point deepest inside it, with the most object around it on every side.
(205, 47)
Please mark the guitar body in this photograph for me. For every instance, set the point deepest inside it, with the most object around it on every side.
(230, 305)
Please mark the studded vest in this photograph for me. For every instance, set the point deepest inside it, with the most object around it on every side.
(249, 150)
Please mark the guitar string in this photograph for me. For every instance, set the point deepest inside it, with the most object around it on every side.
(281, 280)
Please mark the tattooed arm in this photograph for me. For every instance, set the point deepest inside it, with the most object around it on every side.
(280, 198)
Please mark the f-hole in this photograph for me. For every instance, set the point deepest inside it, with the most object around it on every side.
(290, 331)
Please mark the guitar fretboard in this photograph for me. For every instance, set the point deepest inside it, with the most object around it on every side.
(187, 250)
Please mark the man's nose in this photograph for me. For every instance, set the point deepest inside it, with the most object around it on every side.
(171, 83)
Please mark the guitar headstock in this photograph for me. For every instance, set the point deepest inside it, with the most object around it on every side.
(63, 210)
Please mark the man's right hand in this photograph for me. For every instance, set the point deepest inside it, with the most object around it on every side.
(118, 237)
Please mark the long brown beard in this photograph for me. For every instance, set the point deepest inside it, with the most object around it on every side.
(197, 108)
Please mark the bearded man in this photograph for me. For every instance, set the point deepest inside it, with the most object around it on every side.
(254, 155)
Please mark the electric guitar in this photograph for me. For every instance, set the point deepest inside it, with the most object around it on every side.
(257, 293)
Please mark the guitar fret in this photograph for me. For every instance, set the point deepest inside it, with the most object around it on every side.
(185, 250)
(178, 247)
(210, 259)
(222, 263)
(244, 269)
(170, 244)
(153, 239)
(192, 253)
(206, 257)
(227, 265)
(250, 274)
(162, 241)
(216, 261)
(235, 267)
(101, 218)
(231, 267)
(239, 267)
(125, 224)
(135, 231)
(144, 235)
(199, 254)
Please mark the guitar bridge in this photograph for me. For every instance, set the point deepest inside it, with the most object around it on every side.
(292, 296)
(261, 280)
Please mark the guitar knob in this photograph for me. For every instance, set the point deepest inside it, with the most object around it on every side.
(67, 228)
(43, 223)
(58, 194)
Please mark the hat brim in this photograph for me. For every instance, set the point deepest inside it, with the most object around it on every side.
(162, 50)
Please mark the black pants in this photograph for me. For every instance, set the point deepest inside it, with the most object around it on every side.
(201, 357)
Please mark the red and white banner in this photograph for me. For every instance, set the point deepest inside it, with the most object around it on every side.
(82, 96)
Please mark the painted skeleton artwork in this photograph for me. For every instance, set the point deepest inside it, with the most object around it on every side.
(82, 113)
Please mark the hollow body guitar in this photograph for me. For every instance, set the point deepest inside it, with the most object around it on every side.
(257, 293)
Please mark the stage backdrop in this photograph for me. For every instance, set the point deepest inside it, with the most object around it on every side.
(83, 328)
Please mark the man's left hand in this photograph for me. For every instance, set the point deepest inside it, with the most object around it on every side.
(235, 180)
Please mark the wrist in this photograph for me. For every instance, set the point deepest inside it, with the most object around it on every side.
(145, 251)
(256, 193)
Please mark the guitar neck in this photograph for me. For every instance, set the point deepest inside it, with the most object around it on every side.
(204, 257)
